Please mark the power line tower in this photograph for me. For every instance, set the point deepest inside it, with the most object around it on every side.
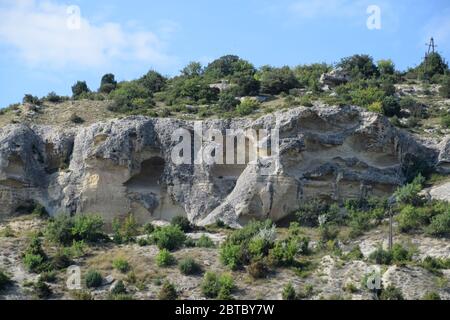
(431, 50)
(431, 46)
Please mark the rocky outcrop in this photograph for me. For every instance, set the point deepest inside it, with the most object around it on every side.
(120, 166)
(335, 77)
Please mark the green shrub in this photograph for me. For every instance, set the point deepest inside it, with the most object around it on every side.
(410, 219)
(409, 194)
(170, 237)
(435, 265)
(359, 66)
(355, 254)
(188, 266)
(34, 257)
(440, 225)
(121, 265)
(205, 242)
(400, 254)
(93, 279)
(65, 230)
(79, 88)
(168, 292)
(164, 258)
(88, 228)
(381, 256)
(81, 295)
(431, 296)
(247, 106)
(289, 292)
(28, 98)
(119, 289)
(42, 290)
(125, 231)
(108, 83)
(149, 228)
(391, 106)
(284, 252)
(59, 230)
(4, 280)
(232, 256)
(277, 80)
(217, 286)
(60, 260)
(309, 212)
(391, 293)
(182, 222)
(33, 262)
(227, 101)
(48, 276)
(445, 121)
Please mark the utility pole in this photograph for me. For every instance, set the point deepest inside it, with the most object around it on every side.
(391, 230)
(391, 202)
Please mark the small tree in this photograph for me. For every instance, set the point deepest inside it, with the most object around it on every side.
(79, 88)
(108, 83)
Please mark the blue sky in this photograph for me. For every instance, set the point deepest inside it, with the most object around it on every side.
(40, 52)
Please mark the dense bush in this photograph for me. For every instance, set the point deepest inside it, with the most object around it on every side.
(65, 229)
(227, 101)
(381, 256)
(433, 65)
(217, 286)
(170, 237)
(308, 75)
(440, 225)
(409, 194)
(121, 264)
(247, 106)
(188, 266)
(182, 222)
(153, 81)
(277, 80)
(93, 279)
(391, 106)
(34, 258)
(249, 243)
(445, 121)
(386, 67)
(232, 255)
(309, 212)
(131, 96)
(284, 252)
(168, 292)
(164, 258)
(359, 66)
(79, 88)
(108, 83)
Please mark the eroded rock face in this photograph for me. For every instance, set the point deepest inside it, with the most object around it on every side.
(121, 166)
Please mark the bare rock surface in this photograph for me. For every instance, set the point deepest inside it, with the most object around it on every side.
(124, 165)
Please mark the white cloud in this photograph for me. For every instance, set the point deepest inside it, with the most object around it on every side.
(37, 31)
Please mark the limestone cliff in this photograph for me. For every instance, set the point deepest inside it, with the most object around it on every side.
(120, 166)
